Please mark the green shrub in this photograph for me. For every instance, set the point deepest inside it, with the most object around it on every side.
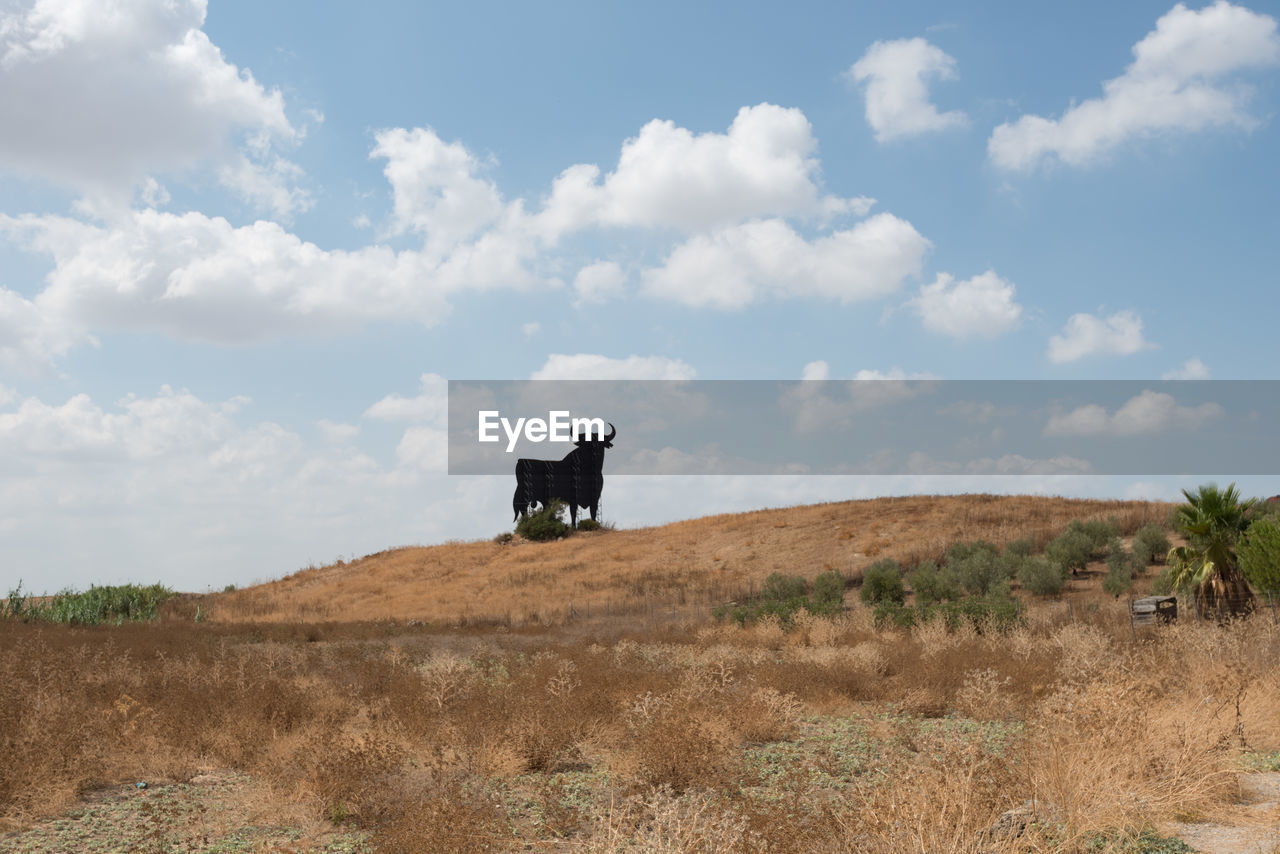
(828, 594)
(978, 566)
(783, 595)
(547, 524)
(1150, 545)
(107, 604)
(932, 583)
(1070, 550)
(1259, 554)
(1021, 548)
(882, 582)
(1098, 532)
(1041, 576)
(503, 538)
(590, 525)
(1162, 584)
(959, 552)
(997, 610)
(1119, 576)
(893, 615)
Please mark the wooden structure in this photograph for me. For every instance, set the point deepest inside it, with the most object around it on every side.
(1153, 609)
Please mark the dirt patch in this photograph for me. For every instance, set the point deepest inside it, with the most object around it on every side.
(1255, 831)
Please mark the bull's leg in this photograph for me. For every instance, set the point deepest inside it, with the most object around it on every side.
(595, 508)
(573, 514)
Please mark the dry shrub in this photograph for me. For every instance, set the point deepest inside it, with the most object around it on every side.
(349, 779)
(825, 633)
(945, 798)
(668, 823)
(1119, 751)
(451, 815)
(869, 658)
(985, 696)
(676, 741)
(1085, 651)
(769, 633)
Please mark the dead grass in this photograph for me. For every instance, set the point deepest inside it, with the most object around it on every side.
(681, 737)
(432, 748)
(682, 567)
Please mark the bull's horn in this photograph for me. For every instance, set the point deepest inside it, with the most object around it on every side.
(613, 431)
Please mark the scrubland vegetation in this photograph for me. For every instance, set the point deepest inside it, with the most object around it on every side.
(788, 724)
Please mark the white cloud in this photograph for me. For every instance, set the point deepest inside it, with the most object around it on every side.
(818, 370)
(982, 306)
(1179, 81)
(1192, 369)
(734, 267)
(531, 328)
(174, 487)
(143, 82)
(1144, 414)
(197, 277)
(598, 282)
(1087, 335)
(424, 449)
(29, 338)
(192, 276)
(592, 366)
(897, 92)
(430, 405)
(435, 187)
(669, 176)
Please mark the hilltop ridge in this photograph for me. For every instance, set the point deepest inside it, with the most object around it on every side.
(689, 564)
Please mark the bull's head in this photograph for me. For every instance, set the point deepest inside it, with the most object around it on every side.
(606, 442)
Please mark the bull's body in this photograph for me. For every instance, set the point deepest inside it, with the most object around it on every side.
(576, 480)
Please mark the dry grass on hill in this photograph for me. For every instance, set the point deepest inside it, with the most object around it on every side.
(689, 565)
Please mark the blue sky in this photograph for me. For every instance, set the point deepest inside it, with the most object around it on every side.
(242, 245)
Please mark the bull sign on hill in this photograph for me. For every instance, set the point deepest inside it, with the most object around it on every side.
(576, 480)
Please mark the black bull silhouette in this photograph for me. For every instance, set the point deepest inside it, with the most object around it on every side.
(576, 480)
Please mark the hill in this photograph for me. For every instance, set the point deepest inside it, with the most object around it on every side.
(682, 567)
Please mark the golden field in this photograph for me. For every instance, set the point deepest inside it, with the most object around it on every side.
(375, 706)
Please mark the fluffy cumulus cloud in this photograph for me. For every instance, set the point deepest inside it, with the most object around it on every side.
(1147, 413)
(670, 177)
(897, 75)
(980, 307)
(598, 282)
(1191, 369)
(436, 187)
(144, 82)
(1183, 79)
(193, 276)
(734, 267)
(597, 366)
(816, 371)
(430, 405)
(30, 340)
(198, 277)
(1089, 335)
(593, 366)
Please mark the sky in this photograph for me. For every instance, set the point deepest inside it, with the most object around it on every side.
(244, 245)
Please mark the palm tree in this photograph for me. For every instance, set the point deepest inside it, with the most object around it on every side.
(1212, 520)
